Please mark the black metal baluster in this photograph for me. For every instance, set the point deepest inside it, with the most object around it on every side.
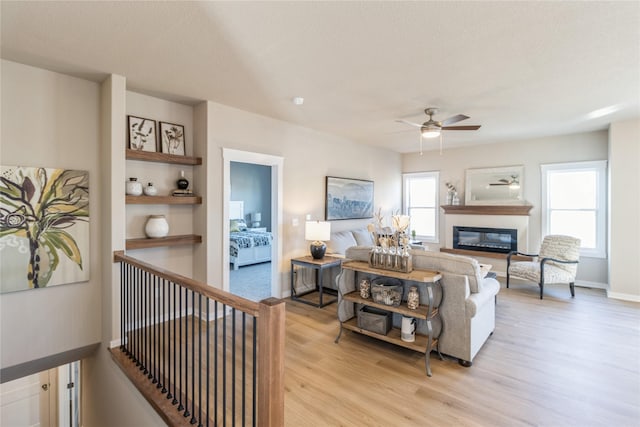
(186, 355)
(224, 364)
(180, 378)
(215, 364)
(134, 332)
(255, 321)
(200, 359)
(244, 366)
(233, 366)
(193, 357)
(208, 358)
(147, 321)
(122, 267)
(139, 320)
(165, 335)
(153, 366)
(174, 344)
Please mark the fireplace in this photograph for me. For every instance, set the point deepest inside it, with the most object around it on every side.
(499, 240)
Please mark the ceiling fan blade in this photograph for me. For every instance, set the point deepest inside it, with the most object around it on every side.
(409, 123)
(454, 119)
(470, 127)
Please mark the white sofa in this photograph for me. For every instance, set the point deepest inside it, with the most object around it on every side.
(467, 309)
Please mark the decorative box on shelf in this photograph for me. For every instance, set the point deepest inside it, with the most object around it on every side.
(374, 320)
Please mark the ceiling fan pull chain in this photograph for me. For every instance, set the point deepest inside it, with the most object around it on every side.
(421, 144)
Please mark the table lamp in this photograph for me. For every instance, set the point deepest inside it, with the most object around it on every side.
(256, 218)
(317, 232)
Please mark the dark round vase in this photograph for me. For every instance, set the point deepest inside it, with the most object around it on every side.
(318, 250)
(182, 182)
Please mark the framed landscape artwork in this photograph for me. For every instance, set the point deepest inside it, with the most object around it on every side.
(44, 227)
(142, 134)
(348, 198)
(172, 138)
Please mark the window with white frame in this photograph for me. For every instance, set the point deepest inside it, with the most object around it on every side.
(420, 202)
(574, 203)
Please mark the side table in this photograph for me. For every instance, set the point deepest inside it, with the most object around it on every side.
(318, 265)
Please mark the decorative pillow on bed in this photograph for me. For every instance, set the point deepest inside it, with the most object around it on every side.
(238, 225)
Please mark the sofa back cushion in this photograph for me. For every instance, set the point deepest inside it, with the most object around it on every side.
(363, 237)
(457, 264)
(340, 241)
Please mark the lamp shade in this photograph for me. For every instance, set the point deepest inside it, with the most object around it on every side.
(257, 216)
(317, 230)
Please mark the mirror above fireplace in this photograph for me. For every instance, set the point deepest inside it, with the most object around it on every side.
(494, 186)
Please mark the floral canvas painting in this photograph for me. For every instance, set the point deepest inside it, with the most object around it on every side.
(44, 227)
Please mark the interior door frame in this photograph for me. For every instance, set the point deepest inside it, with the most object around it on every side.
(277, 165)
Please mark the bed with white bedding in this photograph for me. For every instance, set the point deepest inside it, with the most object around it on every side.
(246, 246)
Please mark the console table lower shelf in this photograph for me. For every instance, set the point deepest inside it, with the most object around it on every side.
(421, 344)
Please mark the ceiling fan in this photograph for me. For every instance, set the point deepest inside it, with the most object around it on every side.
(432, 128)
(512, 182)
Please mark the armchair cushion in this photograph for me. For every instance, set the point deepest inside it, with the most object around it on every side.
(530, 270)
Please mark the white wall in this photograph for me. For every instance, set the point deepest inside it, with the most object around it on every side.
(55, 120)
(52, 120)
(309, 156)
(531, 154)
(624, 199)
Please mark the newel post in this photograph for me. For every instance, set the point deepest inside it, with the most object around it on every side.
(271, 336)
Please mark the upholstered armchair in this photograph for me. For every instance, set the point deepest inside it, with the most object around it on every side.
(557, 262)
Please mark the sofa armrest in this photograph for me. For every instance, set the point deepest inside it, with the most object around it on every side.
(490, 287)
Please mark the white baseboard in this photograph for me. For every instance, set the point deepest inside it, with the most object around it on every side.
(588, 284)
(623, 297)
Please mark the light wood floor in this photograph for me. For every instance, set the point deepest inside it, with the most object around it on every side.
(555, 362)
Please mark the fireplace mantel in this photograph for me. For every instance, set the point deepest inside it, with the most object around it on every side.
(487, 210)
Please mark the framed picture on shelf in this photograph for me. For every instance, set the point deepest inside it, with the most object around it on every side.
(172, 138)
(142, 134)
(348, 198)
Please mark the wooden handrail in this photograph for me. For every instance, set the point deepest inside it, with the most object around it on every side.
(242, 304)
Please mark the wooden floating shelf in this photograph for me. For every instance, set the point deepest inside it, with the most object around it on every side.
(393, 337)
(419, 313)
(145, 243)
(163, 200)
(485, 254)
(522, 210)
(148, 156)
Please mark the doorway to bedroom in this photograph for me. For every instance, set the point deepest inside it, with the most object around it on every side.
(252, 212)
(250, 231)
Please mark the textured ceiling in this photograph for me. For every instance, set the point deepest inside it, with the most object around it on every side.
(520, 69)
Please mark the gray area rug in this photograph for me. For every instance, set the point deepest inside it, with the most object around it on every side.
(251, 282)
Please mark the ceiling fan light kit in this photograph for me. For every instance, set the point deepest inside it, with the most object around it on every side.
(430, 131)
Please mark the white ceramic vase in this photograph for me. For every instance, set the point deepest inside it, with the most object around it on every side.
(133, 188)
(156, 226)
(150, 190)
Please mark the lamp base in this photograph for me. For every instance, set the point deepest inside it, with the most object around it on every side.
(317, 250)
